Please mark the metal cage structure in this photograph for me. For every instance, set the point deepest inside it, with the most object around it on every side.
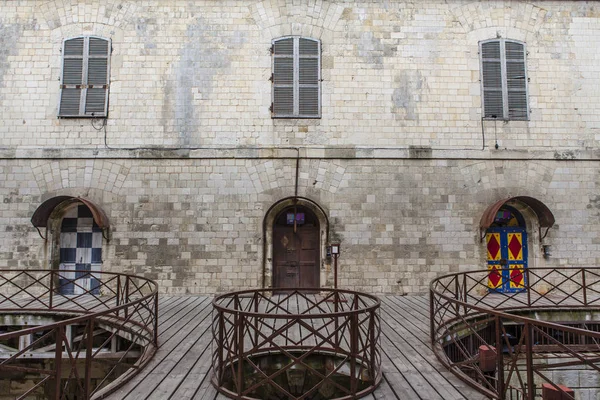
(301, 344)
(515, 345)
(113, 324)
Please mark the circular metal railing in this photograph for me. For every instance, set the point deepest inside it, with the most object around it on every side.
(300, 344)
(501, 342)
(107, 322)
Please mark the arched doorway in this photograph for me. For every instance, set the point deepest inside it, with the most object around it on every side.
(506, 240)
(77, 227)
(296, 249)
(80, 246)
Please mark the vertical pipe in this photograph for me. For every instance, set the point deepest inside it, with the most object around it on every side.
(58, 362)
(88, 358)
(499, 359)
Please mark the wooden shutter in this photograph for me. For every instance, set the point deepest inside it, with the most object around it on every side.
(308, 77)
(283, 77)
(296, 78)
(491, 67)
(84, 89)
(72, 77)
(516, 81)
(504, 80)
(97, 77)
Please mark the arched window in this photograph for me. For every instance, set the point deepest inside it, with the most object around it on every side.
(504, 79)
(85, 77)
(296, 78)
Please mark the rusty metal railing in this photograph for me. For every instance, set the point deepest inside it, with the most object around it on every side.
(116, 321)
(265, 344)
(501, 343)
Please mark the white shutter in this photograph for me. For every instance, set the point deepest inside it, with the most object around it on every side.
(84, 89)
(516, 81)
(491, 67)
(296, 78)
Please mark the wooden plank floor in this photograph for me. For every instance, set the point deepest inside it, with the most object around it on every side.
(180, 369)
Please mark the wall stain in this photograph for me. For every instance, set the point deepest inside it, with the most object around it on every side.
(407, 94)
(207, 52)
(9, 37)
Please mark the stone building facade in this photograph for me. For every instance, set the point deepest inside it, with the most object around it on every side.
(192, 175)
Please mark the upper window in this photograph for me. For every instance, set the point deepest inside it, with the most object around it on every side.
(85, 73)
(504, 79)
(296, 78)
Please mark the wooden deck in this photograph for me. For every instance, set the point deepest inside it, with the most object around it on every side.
(181, 367)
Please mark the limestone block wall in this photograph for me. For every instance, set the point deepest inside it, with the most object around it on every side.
(189, 160)
(196, 225)
(395, 73)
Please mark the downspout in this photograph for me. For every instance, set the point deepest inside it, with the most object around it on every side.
(264, 227)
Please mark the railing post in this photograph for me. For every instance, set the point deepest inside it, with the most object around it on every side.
(528, 285)
(240, 351)
(465, 293)
(499, 359)
(529, 357)
(58, 361)
(584, 286)
(88, 358)
(354, 331)
(431, 317)
(156, 319)
(126, 300)
(51, 296)
(456, 296)
(373, 348)
(118, 293)
(220, 347)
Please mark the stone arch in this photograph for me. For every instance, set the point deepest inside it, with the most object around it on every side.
(77, 234)
(537, 217)
(268, 222)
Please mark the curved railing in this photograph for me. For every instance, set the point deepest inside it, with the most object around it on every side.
(293, 345)
(510, 345)
(111, 326)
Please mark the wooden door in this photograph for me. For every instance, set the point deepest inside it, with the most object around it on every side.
(296, 255)
(507, 258)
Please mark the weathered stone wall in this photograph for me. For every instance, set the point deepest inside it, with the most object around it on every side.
(195, 225)
(190, 159)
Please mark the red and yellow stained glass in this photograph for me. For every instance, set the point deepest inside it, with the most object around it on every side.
(517, 279)
(515, 246)
(494, 276)
(493, 246)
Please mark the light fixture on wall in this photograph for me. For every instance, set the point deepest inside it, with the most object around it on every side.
(546, 250)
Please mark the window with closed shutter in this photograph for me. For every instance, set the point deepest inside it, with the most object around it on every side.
(296, 78)
(85, 78)
(504, 79)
